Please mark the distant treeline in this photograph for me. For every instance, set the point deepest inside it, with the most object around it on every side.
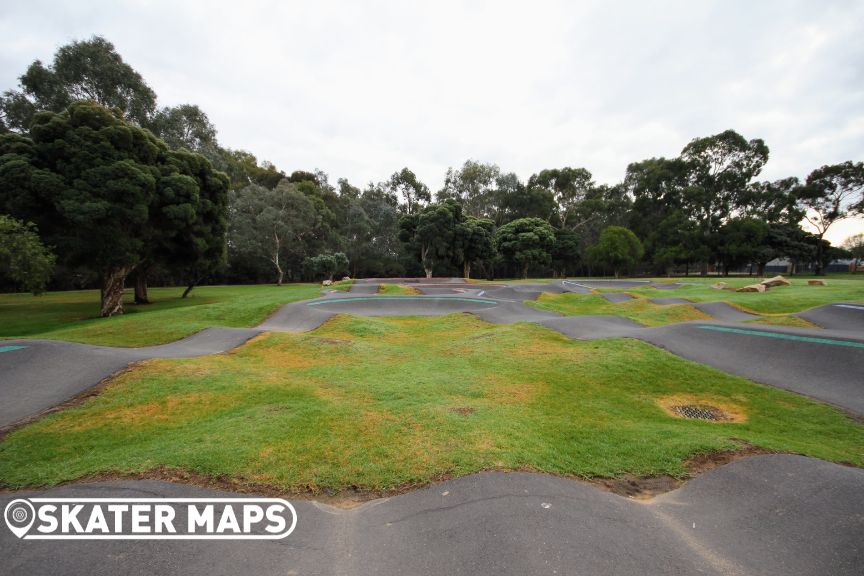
(99, 186)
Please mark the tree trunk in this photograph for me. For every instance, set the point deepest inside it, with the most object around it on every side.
(112, 291)
(195, 281)
(466, 269)
(279, 275)
(428, 271)
(525, 271)
(703, 269)
(141, 286)
(760, 269)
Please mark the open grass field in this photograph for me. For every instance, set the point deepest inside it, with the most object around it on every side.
(378, 403)
(74, 316)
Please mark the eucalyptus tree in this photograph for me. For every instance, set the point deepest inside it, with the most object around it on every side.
(83, 70)
(186, 126)
(474, 186)
(831, 194)
(568, 186)
(271, 225)
(719, 170)
(405, 185)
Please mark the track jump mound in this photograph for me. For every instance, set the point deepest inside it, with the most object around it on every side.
(401, 305)
(599, 283)
(724, 311)
(575, 287)
(617, 297)
(841, 316)
(207, 341)
(667, 301)
(363, 288)
(665, 285)
(295, 317)
(594, 327)
(512, 312)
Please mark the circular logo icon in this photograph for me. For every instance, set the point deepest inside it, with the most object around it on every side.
(19, 516)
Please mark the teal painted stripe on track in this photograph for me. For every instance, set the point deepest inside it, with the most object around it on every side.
(10, 348)
(782, 336)
(457, 299)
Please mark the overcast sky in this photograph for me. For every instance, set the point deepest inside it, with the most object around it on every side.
(361, 89)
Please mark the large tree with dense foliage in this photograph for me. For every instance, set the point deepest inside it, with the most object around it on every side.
(432, 234)
(84, 70)
(719, 169)
(91, 177)
(525, 242)
(474, 243)
(618, 249)
(111, 197)
(23, 258)
(565, 252)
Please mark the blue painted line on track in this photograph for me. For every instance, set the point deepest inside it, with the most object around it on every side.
(10, 348)
(443, 298)
(782, 336)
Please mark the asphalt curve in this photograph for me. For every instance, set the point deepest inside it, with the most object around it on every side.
(39, 374)
(775, 514)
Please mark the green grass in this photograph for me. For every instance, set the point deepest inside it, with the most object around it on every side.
(377, 403)
(397, 290)
(639, 309)
(73, 316)
(780, 300)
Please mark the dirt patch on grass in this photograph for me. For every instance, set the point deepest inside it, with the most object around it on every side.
(463, 410)
(728, 411)
(639, 487)
(647, 487)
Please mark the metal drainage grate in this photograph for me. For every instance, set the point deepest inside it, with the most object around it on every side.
(700, 412)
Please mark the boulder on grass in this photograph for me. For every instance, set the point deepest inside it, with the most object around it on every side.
(720, 286)
(817, 283)
(327, 283)
(775, 281)
(753, 288)
(346, 278)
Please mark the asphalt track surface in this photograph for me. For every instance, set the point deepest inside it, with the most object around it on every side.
(39, 374)
(774, 514)
(760, 515)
